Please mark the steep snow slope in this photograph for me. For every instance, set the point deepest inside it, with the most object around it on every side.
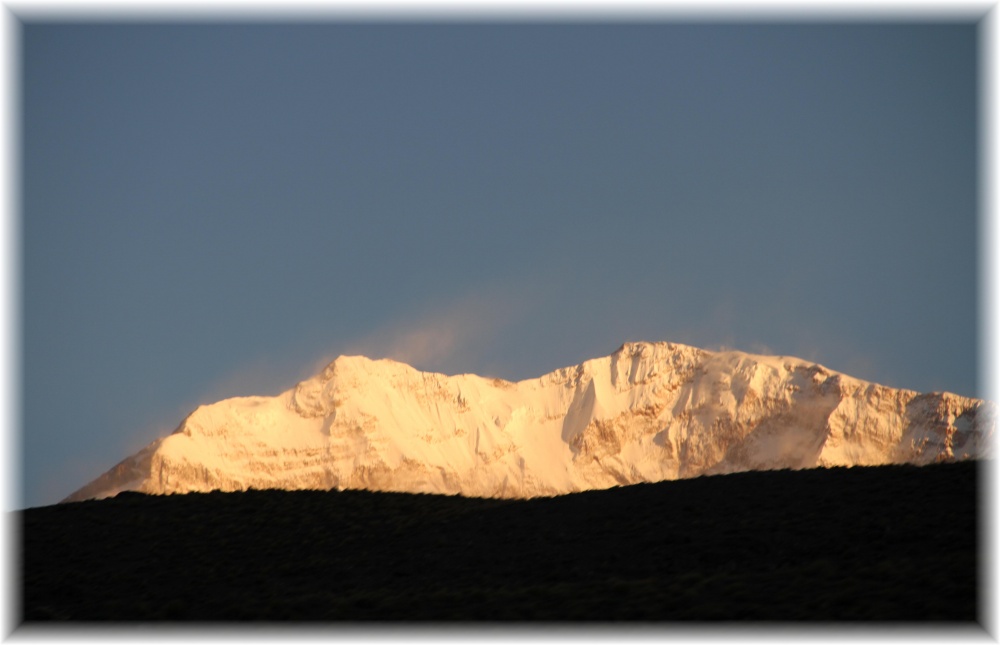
(648, 412)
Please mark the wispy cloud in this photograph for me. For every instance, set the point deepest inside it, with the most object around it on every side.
(449, 336)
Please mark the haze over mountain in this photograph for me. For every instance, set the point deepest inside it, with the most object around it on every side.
(648, 412)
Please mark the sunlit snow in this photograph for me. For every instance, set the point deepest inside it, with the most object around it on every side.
(648, 412)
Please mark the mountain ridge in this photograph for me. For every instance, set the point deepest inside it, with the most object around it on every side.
(646, 412)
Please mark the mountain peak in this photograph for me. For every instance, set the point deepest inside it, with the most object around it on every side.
(646, 412)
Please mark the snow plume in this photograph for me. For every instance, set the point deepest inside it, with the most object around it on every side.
(448, 337)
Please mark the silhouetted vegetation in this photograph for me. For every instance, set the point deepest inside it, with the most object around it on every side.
(887, 543)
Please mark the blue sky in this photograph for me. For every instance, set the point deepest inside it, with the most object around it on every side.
(216, 210)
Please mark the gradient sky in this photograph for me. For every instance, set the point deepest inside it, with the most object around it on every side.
(217, 210)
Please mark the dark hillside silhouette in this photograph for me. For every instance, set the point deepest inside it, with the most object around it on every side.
(894, 543)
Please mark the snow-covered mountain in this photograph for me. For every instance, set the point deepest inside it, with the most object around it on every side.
(648, 412)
